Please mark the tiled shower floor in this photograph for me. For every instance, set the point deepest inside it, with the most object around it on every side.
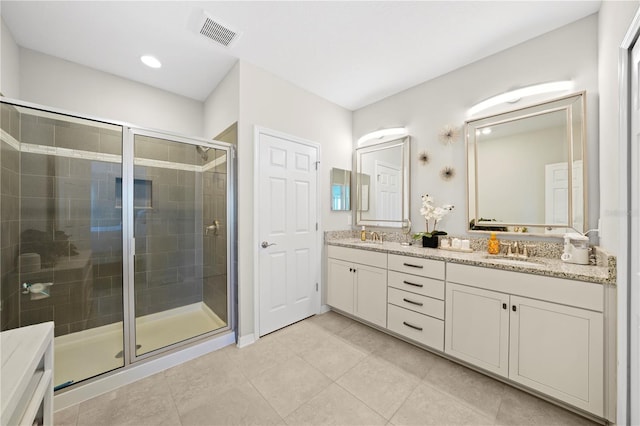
(85, 354)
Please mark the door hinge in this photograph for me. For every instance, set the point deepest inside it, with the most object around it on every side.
(316, 226)
(316, 286)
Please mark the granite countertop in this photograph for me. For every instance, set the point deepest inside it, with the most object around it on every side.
(535, 265)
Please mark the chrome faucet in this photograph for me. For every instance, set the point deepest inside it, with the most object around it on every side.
(517, 249)
(375, 237)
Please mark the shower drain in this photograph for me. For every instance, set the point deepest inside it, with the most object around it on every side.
(121, 353)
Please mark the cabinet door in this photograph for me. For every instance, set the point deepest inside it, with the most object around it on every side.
(371, 294)
(558, 350)
(477, 327)
(340, 291)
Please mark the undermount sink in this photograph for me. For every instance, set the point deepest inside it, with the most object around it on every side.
(514, 261)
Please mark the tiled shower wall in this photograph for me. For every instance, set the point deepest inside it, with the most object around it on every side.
(215, 243)
(172, 268)
(168, 267)
(67, 217)
(9, 220)
(74, 198)
(179, 261)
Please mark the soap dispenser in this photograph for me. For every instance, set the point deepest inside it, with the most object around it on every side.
(363, 235)
(493, 245)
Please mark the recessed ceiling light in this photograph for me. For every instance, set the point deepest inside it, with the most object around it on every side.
(150, 61)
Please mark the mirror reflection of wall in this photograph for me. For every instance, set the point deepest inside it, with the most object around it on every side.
(340, 190)
(512, 159)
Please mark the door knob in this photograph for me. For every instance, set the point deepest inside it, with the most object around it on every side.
(266, 244)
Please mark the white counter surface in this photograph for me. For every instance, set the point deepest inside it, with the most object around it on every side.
(21, 351)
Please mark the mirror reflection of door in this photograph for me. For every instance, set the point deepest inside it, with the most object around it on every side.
(388, 191)
(557, 195)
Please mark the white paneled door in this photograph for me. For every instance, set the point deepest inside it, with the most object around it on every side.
(288, 258)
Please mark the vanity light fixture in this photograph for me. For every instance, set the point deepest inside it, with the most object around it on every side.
(150, 61)
(517, 94)
(379, 134)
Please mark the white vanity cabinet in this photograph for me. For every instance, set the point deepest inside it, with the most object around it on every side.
(545, 333)
(416, 299)
(357, 283)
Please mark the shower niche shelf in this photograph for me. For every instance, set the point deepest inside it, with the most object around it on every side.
(142, 193)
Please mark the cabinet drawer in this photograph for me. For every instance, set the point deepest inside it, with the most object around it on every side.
(421, 328)
(415, 284)
(417, 266)
(557, 290)
(365, 257)
(415, 302)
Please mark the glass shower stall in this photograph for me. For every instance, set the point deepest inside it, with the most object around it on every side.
(122, 236)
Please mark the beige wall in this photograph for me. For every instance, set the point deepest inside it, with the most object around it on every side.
(569, 52)
(10, 63)
(57, 83)
(614, 20)
(221, 108)
(270, 102)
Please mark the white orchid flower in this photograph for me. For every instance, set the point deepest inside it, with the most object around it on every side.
(432, 213)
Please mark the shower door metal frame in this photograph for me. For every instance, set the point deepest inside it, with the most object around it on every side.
(128, 158)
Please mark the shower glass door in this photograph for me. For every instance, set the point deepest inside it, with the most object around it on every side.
(179, 207)
(62, 236)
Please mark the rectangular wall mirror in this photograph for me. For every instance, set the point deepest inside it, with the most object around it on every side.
(382, 183)
(520, 164)
(340, 189)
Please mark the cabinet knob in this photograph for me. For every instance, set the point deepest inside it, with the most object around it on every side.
(504, 306)
(513, 308)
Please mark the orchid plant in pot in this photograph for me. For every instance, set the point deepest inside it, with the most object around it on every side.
(432, 214)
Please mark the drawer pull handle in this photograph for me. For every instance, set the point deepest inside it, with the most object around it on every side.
(413, 284)
(413, 266)
(413, 303)
(412, 326)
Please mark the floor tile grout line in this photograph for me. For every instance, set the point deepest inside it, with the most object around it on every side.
(264, 398)
(462, 401)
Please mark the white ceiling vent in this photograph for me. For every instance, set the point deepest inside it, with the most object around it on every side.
(218, 31)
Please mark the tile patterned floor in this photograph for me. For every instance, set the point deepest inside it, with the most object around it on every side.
(326, 370)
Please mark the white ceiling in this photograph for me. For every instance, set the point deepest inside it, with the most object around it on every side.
(352, 53)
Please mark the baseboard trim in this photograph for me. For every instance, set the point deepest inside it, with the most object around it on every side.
(246, 340)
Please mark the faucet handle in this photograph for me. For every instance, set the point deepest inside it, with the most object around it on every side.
(526, 248)
(508, 246)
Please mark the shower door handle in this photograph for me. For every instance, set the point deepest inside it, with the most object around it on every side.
(215, 227)
(266, 244)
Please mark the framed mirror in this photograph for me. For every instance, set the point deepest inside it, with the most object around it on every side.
(340, 190)
(520, 164)
(382, 183)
